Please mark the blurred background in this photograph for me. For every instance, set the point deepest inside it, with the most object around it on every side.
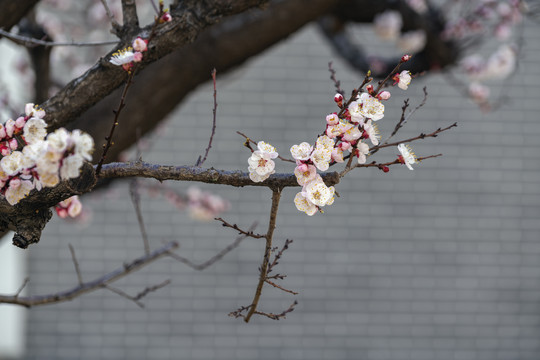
(437, 263)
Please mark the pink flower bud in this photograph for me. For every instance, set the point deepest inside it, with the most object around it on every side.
(4, 150)
(20, 122)
(10, 126)
(302, 167)
(405, 58)
(13, 144)
(369, 88)
(62, 212)
(139, 44)
(2, 132)
(338, 98)
(137, 57)
(345, 145)
(384, 95)
(165, 17)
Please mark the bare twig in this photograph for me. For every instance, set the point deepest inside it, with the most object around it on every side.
(276, 195)
(31, 42)
(116, 26)
(249, 233)
(123, 294)
(278, 316)
(76, 264)
(419, 137)
(279, 255)
(93, 285)
(250, 140)
(279, 287)
(136, 201)
(150, 289)
(214, 258)
(214, 112)
(337, 83)
(117, 112)
(21, 288)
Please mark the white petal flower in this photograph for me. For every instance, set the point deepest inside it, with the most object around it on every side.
(302, 151)
(373, 132)
(408, 156)
(361, 151)
(18, 190)
(48, 179)
(259, 178)
(318, 193)
(355, 110)
(12, 164)
(304, 204)
(58, 140)
(325, 142)
(353, 133)
(267, 148)
(261, 163)
(303, 177)
(122, 57)
(34, 130)
(372, 108)
(321, 158)
(404, 80)
(71, 166)
(84, 144)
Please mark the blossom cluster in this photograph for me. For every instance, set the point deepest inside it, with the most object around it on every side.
(261, 165)
(129, 56)
(346, 131)
(32, 160)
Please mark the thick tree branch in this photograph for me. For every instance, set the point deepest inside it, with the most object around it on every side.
(189, 19)
(211, 176)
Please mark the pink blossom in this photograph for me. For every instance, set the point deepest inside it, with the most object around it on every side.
(139, 44)
(332, 119)
(305, 176)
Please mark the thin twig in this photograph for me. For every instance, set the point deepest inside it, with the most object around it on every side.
(280, 288)
(117, 112)
(276, 195)
(116, 26)
(337, 83)
(76, 264)
(31, 42)
(250, 140)
(150, 289)
(136, 201)
(278, 316)
(93, 285)
(214, 112)
(21, 288)
(123, 294)
(214, 258)
(419, 137)
(249, 233)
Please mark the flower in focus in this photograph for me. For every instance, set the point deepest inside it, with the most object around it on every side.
(372, 108)
(34, 130)
(302, 151)
(122, 57)
(261, 165)
(404, 79)
(372, 132)
(361, 151)
(139, 44)
(303, 204)
(407, 156)
(318, 193)
(303, 177)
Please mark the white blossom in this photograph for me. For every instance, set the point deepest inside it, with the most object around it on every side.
(70, 166)
(408, 156)
(302, 151)
(372, 108)
(318, 193)
(404, 80)
(12, 164)
(18, 190)
(34, 130)
(304, 204)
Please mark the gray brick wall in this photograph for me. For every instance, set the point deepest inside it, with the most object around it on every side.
(440, 263)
